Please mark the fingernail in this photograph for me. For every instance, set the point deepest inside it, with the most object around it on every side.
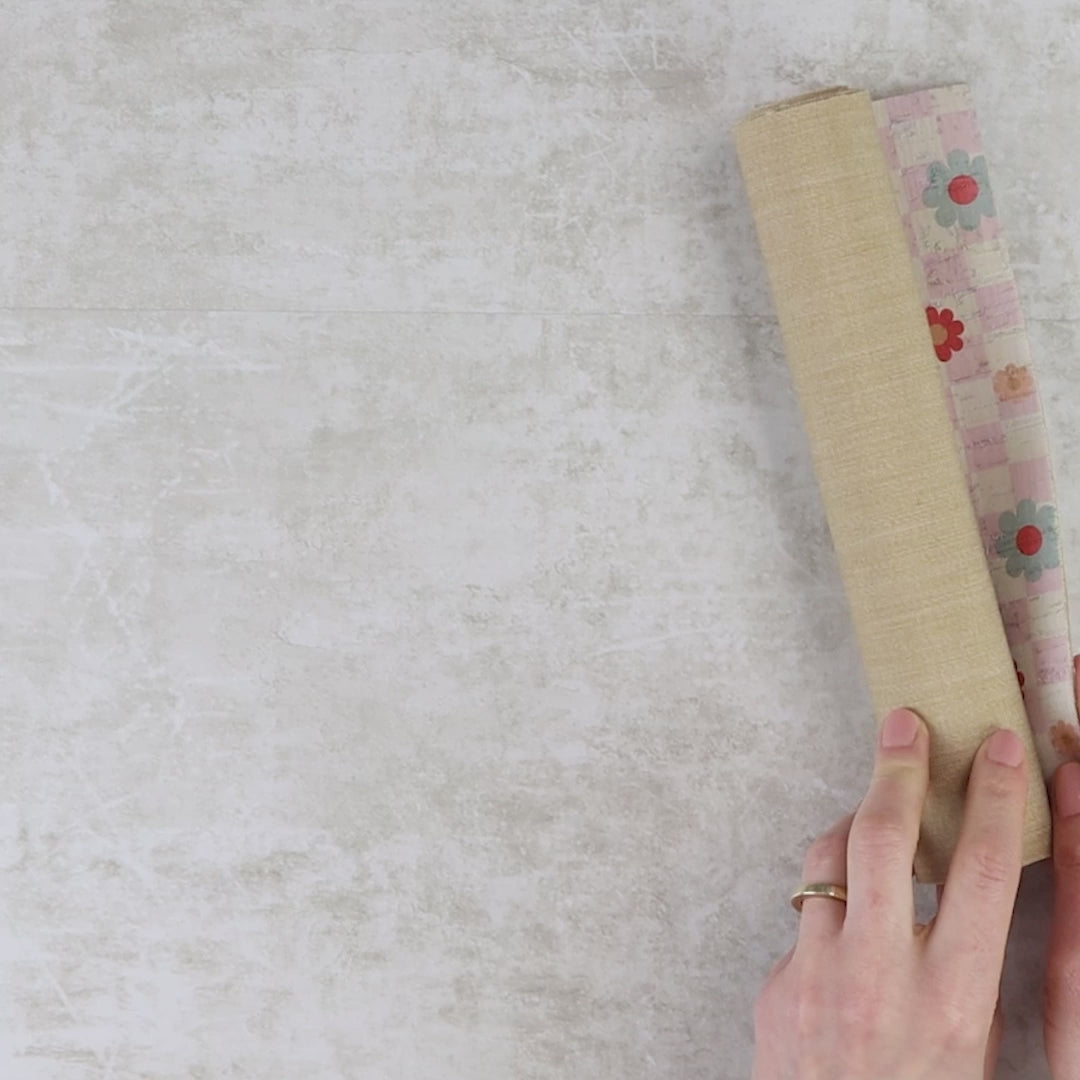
(1005, 748)
(1067, 790)
(899, 728)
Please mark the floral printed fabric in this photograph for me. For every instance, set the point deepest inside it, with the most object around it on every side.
(1014, 383)
(959, 189)
(946, 333)
(1028, 540)
(976, 330)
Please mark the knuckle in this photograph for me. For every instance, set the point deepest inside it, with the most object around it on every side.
(875, 834)
(990, 868)
(900, 769)
(1001, 786)
(861, 1014)
(963, 1030)
(958, 1016)
(1067, 853)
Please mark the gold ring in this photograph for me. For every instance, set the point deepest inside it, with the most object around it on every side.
(820, 888)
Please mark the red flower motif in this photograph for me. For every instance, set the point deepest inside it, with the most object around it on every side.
(963, 189)
(1029, 540)
(945, 332)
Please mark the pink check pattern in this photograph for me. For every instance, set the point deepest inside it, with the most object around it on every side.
(940, 179)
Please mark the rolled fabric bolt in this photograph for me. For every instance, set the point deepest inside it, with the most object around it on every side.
(892, 483)
(944, 198)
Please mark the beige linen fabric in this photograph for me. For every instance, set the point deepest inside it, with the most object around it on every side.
(893, 486)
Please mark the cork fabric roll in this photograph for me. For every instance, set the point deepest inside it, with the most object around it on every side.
(892, 482)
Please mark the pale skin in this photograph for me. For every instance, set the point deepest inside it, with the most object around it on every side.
(867, 992)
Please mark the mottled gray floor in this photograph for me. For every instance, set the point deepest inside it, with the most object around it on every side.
(423, 654)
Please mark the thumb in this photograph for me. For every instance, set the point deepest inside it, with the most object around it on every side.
(1062, 1006)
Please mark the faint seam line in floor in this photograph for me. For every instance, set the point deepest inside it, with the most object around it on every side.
(539, 313)
(732, 316)
(642, 642)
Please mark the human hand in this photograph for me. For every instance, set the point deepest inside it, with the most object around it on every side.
(1061, 1016)
(868, 994)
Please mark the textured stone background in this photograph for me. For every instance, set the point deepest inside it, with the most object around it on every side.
(423, 658)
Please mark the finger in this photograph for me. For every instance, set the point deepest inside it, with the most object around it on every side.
(993, 1043)
(881, 848)
(980, 890)
(826, 863)
(1076, 681)
(1062, 1020)
(780, 965)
